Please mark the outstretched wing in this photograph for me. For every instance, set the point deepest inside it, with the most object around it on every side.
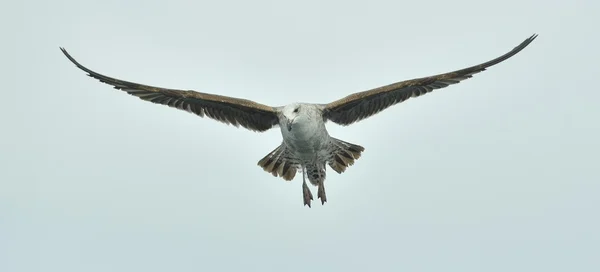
(358, 106)
(229, 110)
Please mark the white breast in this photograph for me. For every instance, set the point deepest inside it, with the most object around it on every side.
(307, 138)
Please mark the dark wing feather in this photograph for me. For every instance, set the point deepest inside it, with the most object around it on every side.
(358, 106)
(229, 110)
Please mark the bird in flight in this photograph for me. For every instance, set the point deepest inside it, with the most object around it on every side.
(307, 146)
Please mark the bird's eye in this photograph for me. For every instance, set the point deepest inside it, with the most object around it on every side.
(296, 110)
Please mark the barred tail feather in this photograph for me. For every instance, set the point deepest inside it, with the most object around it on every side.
(343, 155)
(278, 164)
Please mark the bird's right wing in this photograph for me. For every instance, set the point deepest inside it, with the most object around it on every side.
(229, 110)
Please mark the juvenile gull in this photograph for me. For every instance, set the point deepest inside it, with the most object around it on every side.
(306, 145)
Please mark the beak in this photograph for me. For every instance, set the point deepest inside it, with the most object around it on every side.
(289, 124)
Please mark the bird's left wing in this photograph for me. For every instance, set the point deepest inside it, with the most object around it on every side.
(358, 106)
(229, 110)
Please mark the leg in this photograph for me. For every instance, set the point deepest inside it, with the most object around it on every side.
(321, 191)
(305, 191)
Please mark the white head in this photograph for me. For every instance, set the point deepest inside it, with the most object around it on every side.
(296, 113)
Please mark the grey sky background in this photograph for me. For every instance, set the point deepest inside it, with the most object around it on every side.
(497, 173)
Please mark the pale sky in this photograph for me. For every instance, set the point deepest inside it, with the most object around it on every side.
(497, 173)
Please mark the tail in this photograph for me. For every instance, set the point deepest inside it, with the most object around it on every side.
(343, 155)
(278, 164)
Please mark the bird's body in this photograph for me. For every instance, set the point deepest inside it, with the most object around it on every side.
(306, 146)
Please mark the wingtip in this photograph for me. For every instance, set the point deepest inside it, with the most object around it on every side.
(533, 36)
(64, 51)
(525, 43)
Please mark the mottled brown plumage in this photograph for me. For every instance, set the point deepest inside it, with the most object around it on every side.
(358, 106)
(229, 110)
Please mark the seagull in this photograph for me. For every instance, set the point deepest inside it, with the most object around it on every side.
(306, 146)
